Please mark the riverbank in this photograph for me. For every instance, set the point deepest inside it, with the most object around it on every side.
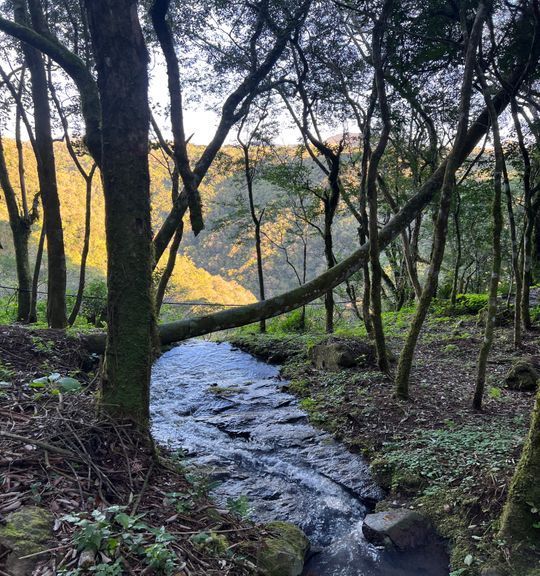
(80, 494)
(433, 453)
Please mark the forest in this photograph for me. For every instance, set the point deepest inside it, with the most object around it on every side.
(270, 287)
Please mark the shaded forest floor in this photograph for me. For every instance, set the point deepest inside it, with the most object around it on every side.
(433, 453)
(60, 463)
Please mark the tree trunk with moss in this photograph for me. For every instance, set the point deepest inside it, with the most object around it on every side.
(371, 188)
(526, 278)
(121, 61)
(20, 228)
(520, 516)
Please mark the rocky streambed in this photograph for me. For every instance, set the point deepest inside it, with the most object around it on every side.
(234, 420)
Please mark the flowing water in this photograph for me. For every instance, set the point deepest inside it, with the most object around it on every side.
(233, 418)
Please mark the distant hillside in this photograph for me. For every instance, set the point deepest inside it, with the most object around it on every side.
(190, 281)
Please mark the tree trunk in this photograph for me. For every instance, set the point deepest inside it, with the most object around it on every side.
(330, 262)
(526, 279)
(32, 316)
(121, 62)
(497, 256)
(20, 228)
(52, 220)
(520, 514)
(169, 267)
(457, 265)
(86, 247)
(371, 187)
(439, 240)
(248, 173)
(515, 259)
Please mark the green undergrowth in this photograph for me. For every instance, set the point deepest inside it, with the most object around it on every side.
(444, 471)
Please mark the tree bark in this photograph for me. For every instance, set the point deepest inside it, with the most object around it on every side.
(20, 229)
(457, 265)
(248, 174)
(52, 220)
(518, 517)
(121, 61)
(371, 186)
(526, 279)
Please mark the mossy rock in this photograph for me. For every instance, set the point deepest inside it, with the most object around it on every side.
(27, 531)
(406, 482)
(283, 550)
(522, 376)
(504, 317)
(334, 354)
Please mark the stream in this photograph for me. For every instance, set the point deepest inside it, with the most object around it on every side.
(232, 417)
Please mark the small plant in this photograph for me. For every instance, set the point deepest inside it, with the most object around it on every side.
(42, 345)
(56, 384)
(5, 373)
(216, 543)
(116, 534)
(239, 506)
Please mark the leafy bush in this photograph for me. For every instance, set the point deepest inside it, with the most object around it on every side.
(466, 304)
(291, 322)
(535, 313)
(94, 304)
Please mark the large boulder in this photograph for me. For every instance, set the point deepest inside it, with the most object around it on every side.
(522, 376)
(283, 550)
(335, 354)
(26, 531)
(400, 528)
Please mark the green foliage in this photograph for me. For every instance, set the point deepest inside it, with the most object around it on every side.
(118, 534)
(94, 304)
(6, 373)
(42, 345)
(466, 304)
(239, 506)
(291, 322)
(453, 455)
(535, 313)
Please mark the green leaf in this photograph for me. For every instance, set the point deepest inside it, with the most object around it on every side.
(123, 519)
(468, 560)
(39, 382)
(67, 384)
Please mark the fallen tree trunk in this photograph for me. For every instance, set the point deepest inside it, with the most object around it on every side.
(243, 315)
